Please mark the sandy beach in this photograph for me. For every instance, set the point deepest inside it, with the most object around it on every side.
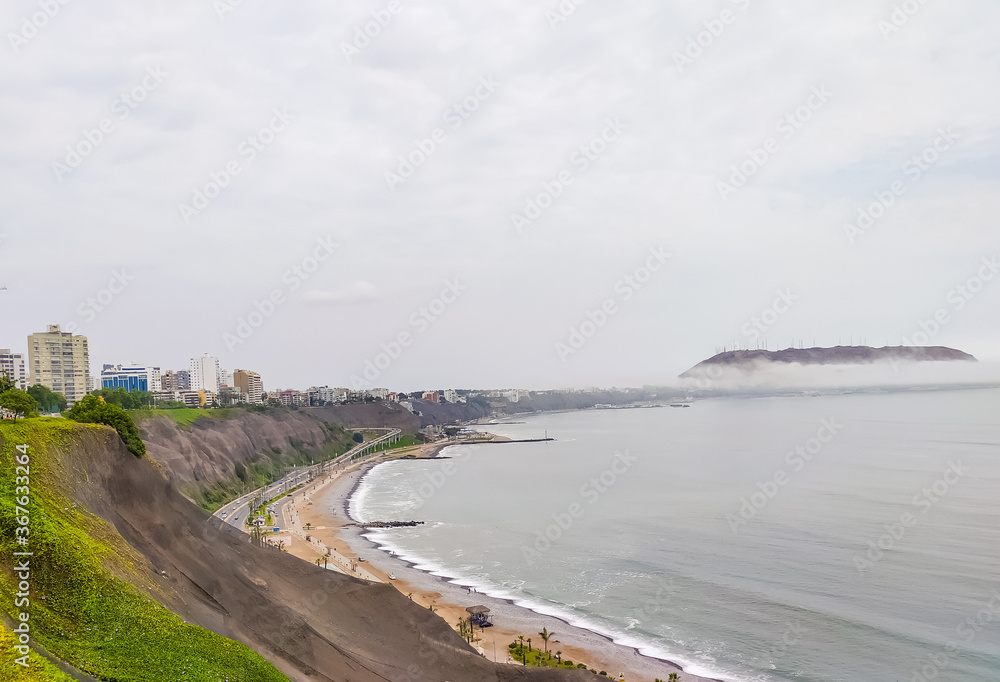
(323, 505)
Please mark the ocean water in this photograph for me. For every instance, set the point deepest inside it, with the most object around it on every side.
(839, 537)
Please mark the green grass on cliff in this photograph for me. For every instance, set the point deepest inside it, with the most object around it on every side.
(39, 669)
(82, 611)
(185, 416)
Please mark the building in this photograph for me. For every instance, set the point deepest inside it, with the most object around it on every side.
(14, 366)
(291, 397)
(200, 398)
(249, 383)
(131, 378)
(206, 375)
(432, 396)
(515, 395)
(60, 361)
(379, 393)
(452, 396)
(176, 381)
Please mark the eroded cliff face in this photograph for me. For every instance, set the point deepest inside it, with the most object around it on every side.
(207, 452)
(312, 624)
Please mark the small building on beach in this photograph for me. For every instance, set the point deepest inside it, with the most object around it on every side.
(480, 616)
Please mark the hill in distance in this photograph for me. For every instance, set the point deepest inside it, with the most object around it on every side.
(753, 360)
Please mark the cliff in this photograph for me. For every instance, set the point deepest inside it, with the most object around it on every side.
(116, 540)
(212, 456)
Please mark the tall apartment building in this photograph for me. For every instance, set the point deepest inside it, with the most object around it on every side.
(249, 383)
(175, 381)
(131, 378)
(60, 361)
(206, 374)
(13, 365)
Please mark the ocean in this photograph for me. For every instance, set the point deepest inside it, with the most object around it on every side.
(810, 538)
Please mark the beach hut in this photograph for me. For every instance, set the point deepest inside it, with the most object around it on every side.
(480, 616)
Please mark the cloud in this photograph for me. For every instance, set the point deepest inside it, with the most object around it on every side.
(355, 292)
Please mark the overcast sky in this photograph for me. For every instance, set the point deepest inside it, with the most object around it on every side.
(185, 88)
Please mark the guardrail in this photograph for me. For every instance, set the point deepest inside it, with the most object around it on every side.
(364, 449)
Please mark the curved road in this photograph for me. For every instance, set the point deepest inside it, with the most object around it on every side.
(236, 513)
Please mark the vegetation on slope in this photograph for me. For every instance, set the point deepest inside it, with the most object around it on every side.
(81, 611)
(91, 410)
(39, 669)
(186, 416)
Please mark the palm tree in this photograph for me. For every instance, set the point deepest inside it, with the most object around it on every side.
(559, 656)
(524, 655)
(545, 634)
(673, 677)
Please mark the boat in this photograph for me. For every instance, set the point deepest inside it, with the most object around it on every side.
(680, 405)
(392, 576)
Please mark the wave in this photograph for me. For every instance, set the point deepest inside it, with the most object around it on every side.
(483, 585)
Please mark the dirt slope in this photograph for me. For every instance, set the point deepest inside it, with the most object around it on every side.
(311, 623)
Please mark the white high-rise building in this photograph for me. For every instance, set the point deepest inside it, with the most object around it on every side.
(13, 364)
(205, 374)
(60, 361)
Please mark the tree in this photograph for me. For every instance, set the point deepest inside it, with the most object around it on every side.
(5, 383)
(126, 400)
(18, 402)
(47, 399)
(91, 410)
(358, 438)
(545, 634)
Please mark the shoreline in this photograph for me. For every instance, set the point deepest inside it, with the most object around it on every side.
(449, 597)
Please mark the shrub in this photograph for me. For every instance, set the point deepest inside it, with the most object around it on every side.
(91, 410)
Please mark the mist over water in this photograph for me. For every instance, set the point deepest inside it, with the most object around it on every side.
(836, 537)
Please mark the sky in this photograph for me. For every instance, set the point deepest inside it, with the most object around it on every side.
(432, 194)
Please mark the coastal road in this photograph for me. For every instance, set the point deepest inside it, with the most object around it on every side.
(237, 512)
